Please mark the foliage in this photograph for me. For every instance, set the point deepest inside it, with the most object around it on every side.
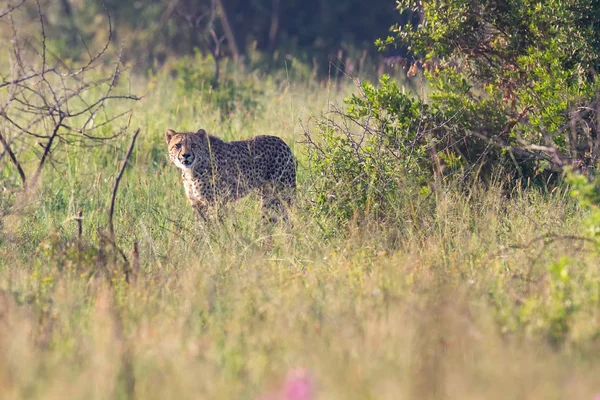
(587, 192)
(518, 75)
(366, 156)
(195, 77)
(510, 87)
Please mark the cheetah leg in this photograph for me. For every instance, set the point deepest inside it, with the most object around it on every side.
(272, 205)
(201, 214)
(220, 210)
(288, 195)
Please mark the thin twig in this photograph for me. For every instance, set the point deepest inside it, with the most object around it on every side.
(10, 9)
(42, 99)
(549, 238)
(116, 187)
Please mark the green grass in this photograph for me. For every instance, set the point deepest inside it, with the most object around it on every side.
(452, 299)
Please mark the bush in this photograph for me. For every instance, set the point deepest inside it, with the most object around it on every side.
(365, 156)
(195, 76)
(511, 85)
(513, 79)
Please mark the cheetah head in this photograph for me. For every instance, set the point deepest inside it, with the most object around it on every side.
(186, 149)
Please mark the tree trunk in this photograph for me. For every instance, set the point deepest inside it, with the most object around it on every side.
(228, 31)
(273, 29)
(68, 10)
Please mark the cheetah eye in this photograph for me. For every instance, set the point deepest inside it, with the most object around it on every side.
(194, 145)
(178, 146)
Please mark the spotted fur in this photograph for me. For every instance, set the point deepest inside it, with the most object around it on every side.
(218, 172)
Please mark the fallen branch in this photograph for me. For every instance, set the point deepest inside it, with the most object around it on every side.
(549, 238)
(546, 239)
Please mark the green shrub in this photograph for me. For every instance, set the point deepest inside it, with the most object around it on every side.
(587, 192)
(195, 76)
(515, 80)
(510, 86)
(366, 156)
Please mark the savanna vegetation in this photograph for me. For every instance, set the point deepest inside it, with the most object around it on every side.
(446, 235)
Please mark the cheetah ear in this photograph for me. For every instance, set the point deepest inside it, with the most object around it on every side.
(169, 134)
(201, 132)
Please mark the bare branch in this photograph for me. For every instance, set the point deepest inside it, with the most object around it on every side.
(79, 220)
(46, 152)
(44, 98)
(43, 27)
(13, 158)
(10, 9)
(116, 187)
(24, 79)
(98, 55)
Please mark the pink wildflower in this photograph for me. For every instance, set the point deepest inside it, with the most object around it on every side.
(298, 385)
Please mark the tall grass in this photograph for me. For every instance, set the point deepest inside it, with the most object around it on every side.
(451, 299)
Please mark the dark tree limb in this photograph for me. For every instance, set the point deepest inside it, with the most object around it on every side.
(235, 53)
(46, 152)
(13, 158)
(10, 8)
(274, 27)
(216, 53)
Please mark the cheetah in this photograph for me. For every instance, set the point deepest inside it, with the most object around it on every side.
(216, 172)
